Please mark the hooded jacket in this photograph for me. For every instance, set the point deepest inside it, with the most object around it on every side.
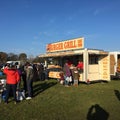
(29, 72)
(12, 76)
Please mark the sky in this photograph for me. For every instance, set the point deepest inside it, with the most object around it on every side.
(27, 26)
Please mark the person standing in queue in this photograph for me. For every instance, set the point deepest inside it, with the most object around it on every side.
(29, 80)
(76, 76)
(67, 74)
(12, 79)
(23, 75)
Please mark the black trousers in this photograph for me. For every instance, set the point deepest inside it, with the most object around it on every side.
(9, 88)
(30, 87)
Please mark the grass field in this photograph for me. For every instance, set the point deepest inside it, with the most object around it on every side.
(52, 101)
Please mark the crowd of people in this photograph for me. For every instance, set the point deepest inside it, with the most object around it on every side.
(26, 73)
(71, 74)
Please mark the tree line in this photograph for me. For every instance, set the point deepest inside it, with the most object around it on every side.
(4, 57)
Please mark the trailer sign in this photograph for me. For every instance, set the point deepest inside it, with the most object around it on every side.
(65, 45)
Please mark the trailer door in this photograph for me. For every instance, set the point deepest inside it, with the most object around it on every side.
(104, 67)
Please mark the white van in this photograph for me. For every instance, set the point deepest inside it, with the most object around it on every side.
(17, 63)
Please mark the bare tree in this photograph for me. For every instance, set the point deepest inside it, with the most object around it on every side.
(3, 57)
(23, 57)
(12, 57)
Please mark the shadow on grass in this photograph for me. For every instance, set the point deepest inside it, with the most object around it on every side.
(97, 113)
(42, 86)
(117, 93)
(94, 82)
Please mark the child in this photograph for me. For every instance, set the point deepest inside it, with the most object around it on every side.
(2, 89)
(75, 76)
(61, 78)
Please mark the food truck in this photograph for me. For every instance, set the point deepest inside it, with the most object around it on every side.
(96, 63)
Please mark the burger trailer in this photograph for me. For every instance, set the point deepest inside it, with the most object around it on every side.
(96, 63)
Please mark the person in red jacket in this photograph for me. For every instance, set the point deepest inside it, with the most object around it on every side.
(12, 78)
(80, 66)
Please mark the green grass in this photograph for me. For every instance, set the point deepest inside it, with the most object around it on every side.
(52, 101)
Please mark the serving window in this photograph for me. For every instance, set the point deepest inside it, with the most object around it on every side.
(93, 59)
